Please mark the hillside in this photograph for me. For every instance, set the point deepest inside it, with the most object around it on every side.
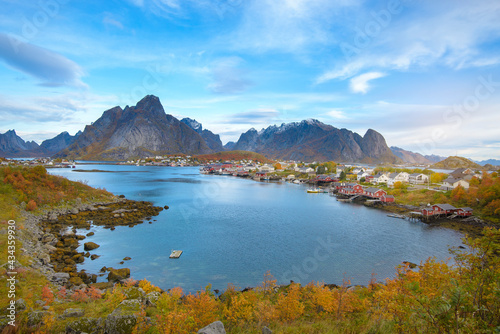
(233, 155)
(456, 162)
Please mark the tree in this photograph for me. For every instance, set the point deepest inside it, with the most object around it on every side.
(342, 176)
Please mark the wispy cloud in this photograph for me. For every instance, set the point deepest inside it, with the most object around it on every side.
(109, 20)
(257, 116)
(360, 84)
(51, 68)
(286, 25)
(452, 34)
(229, 77)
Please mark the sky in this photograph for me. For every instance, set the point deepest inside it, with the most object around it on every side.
(423, 73)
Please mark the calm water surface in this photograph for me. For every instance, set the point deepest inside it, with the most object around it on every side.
(233, 230)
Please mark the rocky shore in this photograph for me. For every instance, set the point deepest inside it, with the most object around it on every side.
(51, 239)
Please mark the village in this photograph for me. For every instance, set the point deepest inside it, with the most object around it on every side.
(347, 182)
(350, 183)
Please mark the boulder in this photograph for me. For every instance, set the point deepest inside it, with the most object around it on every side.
(266, 330)
(84, 325)
(118, 274)
(214, 328)
(73, 313)
(94, 256)
(90, 246)
(60, 277)
(123, 319)
(20, 304)
(35, 318)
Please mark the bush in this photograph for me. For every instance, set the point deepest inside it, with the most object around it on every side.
(31, 206)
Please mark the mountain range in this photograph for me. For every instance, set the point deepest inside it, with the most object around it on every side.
(415, 158)
(13, 146)
(312, 140)
(145, 130)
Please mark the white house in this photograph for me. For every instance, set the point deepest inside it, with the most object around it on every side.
(418, 178)
(452, 183)
(305, 170)
(380, 178)
(357, 170)
(402, 177)
(266, 168)
(361, 175)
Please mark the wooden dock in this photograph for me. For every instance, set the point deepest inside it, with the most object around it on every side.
(175, 254)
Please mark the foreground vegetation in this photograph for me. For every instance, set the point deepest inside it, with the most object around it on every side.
(435, 298)
(462, 296)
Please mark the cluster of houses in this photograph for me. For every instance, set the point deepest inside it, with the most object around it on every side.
(446, 210)
(355, 189)
(459, 177)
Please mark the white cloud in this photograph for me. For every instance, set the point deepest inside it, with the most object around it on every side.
(51, 68)
(359, 84)
(336, 113)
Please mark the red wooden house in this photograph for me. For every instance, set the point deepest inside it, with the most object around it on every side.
(464, 212)
(387, 198)
(351, 189)
(439, 209)
(374, 192)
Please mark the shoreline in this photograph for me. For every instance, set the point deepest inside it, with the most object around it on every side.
(51, 241)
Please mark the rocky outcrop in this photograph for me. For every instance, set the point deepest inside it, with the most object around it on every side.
(90, 246)
(312, 140)
(116, 275)
(134, 132)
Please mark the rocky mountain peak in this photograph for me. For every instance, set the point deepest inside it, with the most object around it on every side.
(151, 104)
(193, 124)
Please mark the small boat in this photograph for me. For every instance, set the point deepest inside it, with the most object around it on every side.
(314, 190)
(296, 181)
(175, 254)
(396, 216)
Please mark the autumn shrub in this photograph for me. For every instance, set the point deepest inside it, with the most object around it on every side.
(31, 206)
(47, 295)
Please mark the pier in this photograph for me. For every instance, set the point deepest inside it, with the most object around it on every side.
(175, 254)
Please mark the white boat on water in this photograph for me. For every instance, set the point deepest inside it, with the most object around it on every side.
(317, 190)
(296, 181)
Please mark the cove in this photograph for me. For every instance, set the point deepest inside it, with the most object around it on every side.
(234, 230)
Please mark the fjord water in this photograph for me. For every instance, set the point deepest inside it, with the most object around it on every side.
(233, 230)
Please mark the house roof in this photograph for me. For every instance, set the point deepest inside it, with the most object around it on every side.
(466, 209)
(445, 206)
(388, 196)
(393, 175)
(416, 174)
(372, 190)
(453, 180)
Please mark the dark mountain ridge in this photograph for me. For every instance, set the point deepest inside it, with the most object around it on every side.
(136, 132)
(312, 140)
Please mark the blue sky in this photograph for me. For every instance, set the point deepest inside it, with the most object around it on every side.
(425, 74)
